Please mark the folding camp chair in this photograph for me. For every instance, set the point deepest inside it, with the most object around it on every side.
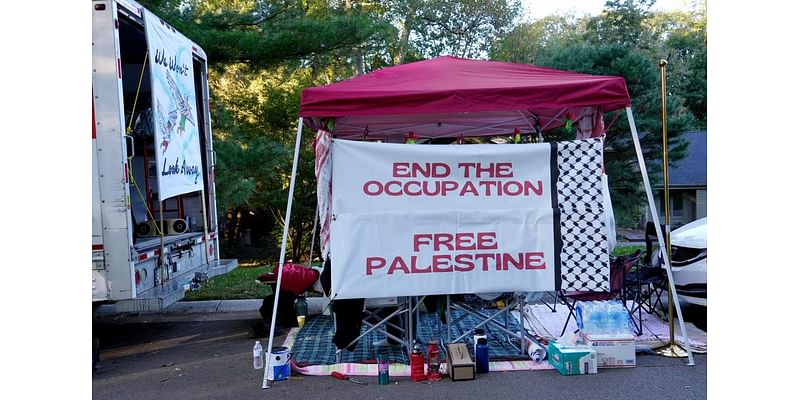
(645, 286)
(620, 267)
(653, 277)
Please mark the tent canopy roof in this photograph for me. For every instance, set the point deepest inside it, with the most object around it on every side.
(426, 92)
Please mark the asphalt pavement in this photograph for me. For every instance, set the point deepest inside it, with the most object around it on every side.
(203, 350)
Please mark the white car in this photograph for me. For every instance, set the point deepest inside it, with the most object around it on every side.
(689, 261)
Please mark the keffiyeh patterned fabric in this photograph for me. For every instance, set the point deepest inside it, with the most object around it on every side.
(324, 171)
(583, 233)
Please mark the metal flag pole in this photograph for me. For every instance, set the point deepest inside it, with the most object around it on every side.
(672, 349)
(266, 382)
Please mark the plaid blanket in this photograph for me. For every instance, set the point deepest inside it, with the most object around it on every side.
(314, 346)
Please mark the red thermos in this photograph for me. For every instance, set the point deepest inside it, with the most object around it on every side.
(417, 364)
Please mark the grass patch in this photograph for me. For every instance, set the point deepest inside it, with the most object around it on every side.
(240, 283)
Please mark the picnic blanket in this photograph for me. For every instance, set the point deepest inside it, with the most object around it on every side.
(314, 353)
(313, 344)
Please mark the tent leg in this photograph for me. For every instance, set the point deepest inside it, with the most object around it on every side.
(266, 383)
(654, 214)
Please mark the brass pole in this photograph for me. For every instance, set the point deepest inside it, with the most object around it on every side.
(667, 209)
(672, 349)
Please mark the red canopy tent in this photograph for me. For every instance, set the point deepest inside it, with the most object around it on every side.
(448, 96)
(452, 97)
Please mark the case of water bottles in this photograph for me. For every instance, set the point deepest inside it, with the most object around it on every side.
(605, 327)
(602, 318)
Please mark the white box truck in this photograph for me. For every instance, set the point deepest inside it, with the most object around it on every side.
(154, 215)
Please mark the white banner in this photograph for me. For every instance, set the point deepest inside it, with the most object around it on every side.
(414, 220)
(371, 177)
(174, 102)
(447, 252)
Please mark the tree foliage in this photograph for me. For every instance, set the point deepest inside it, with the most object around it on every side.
(263, 53)
(627, 40)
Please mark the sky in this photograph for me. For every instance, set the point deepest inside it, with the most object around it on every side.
(535, 9)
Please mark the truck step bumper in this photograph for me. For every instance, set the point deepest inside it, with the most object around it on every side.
(159, 298)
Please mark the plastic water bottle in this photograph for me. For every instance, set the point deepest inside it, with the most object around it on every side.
(597, 320)
(301, 309)
(585, 317)
(580, 316)
(613, 320)
(620, 316)
(258, 356)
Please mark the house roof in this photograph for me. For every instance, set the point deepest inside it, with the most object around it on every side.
(691, 171)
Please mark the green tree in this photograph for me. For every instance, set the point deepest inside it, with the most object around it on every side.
(264, 32)
(463, 28)
(627, 40)
(683, 43)
(527, 41)
(621, 22)
(262, 53)
(643, 83)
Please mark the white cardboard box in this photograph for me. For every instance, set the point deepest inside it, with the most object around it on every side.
(613, 351)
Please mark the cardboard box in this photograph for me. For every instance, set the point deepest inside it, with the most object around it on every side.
(572, 360)
(613, 351)
(460, 366)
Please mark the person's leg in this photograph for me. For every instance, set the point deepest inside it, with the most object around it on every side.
(261, 327)
(348, 321)
(287, 317)
(286, 314)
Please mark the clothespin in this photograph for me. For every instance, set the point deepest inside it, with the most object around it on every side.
(517, 137)
(461, 138)
(411, 138)
(366, 132)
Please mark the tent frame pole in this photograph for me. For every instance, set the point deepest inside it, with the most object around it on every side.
(654, 215)
(266, 383)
